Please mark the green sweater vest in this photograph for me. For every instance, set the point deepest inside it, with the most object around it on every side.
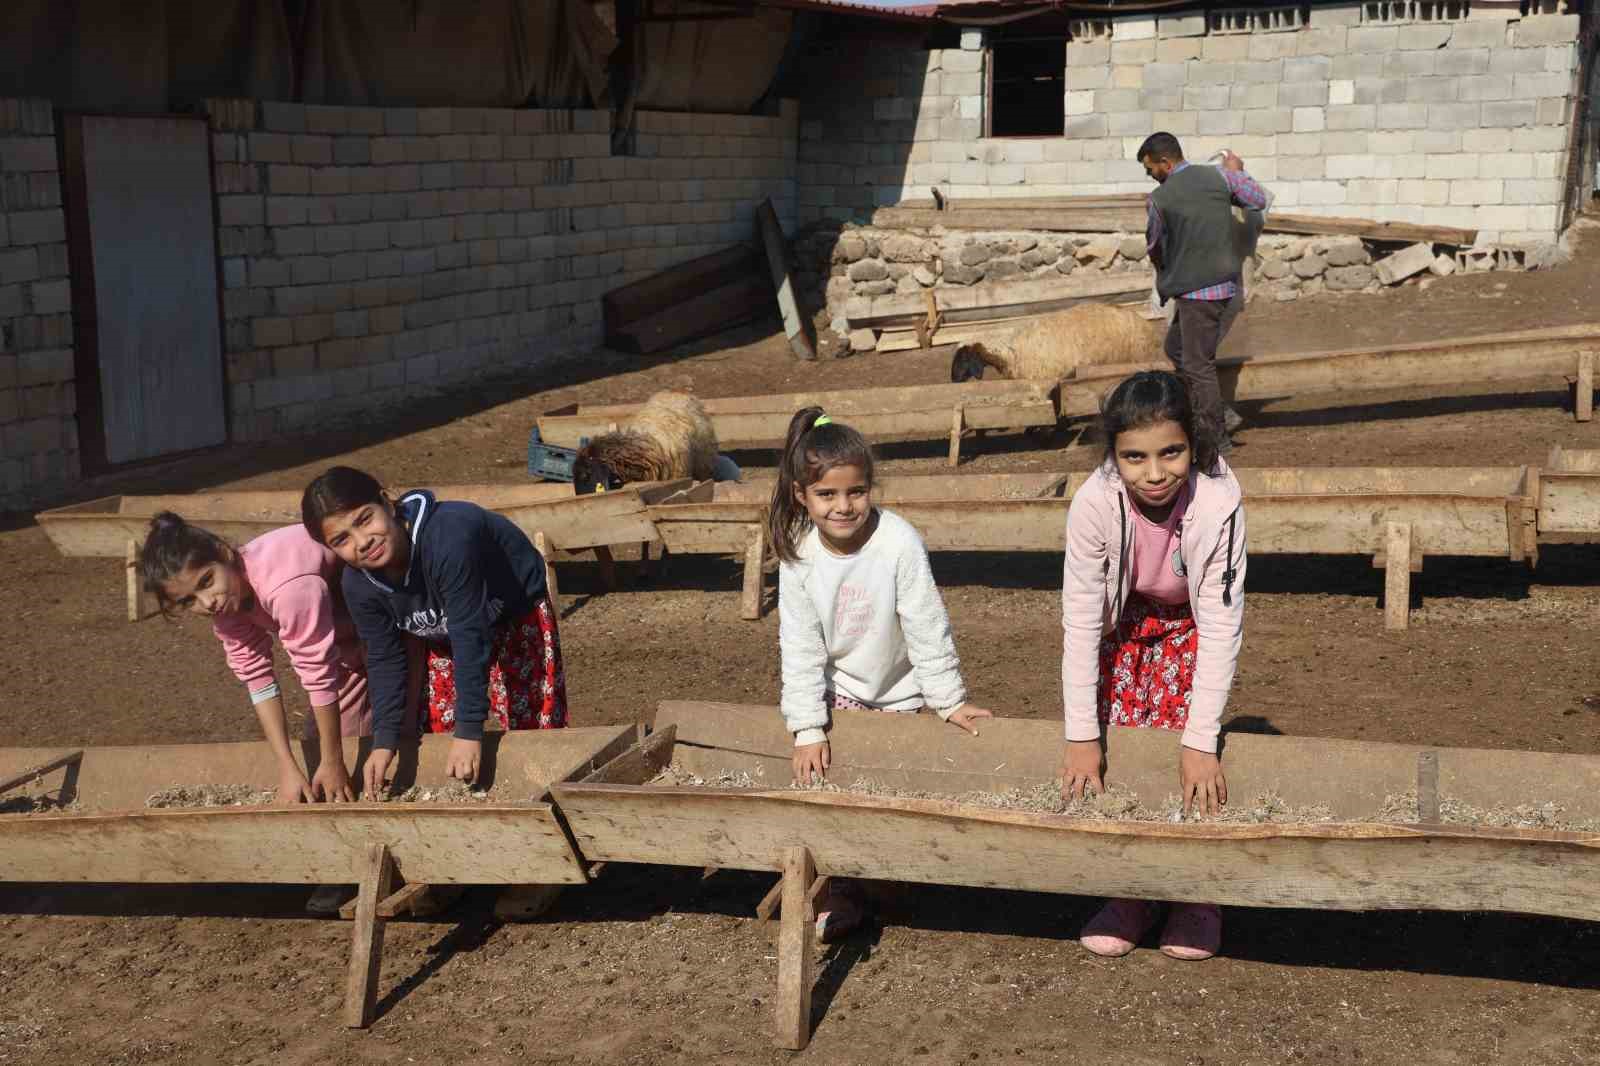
(1197, 245)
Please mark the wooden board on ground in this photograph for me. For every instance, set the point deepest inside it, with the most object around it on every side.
(901, 411)
(796, 325)
(1487, 360)
(686, 301)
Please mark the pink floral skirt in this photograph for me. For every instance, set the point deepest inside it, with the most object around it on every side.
(1147, 666)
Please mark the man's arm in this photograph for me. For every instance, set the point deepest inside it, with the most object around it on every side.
(1154, 230)
(1241, 186)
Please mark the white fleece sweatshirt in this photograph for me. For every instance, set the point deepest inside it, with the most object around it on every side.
(870, 626)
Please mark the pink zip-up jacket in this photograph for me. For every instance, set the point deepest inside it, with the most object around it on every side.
(297, 599)
(1096, 583)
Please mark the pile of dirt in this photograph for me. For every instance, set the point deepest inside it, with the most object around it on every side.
(449, 792)
(181, 796)
(1402, 807)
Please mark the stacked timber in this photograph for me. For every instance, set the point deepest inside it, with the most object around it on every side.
(691, 300)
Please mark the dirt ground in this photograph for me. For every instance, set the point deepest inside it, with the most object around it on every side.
(661, 966)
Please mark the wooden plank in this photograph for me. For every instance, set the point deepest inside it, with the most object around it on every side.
(796, 326)
(795, 948)
(710, 311)
(755, 555)
(520, 764)
(841, 401)
(1010, 300)
(1397, 576)
(1569, 503)
(1353, 779)
(639, 763)
(770, 902)
(1583, 407)
(34, 773)
(671, 287)
(1489, 359)
(139, 601)
(366, 939)
(1351, 866)
(1369, 229)
(435, 843)
(957, 423)
(395, 905)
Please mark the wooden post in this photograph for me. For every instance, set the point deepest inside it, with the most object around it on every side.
(795, 947)
(1583, 407)
(956, 423)
(1397, 576)
(366, 939)
(139, 605)
(608, 567)
(754, 569)
(546, 549)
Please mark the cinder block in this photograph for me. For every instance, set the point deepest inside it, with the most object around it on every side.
(311, 149)
(1125, 52)
(1485, 34)
(1487, 142)
(1561, 58)
(1456, 62)
(1206, 97)
(1132, 123)
(1539, 139)
(283, 117)
(1088, 53)
(1260, 72)
(1321, 193)
(1391, 143)
(1341, 92)
(1438, 142)
(1516, 61)
(1533, 192)
(286, 211)
(1334, 15)
(1459, 116)
(1264, 46)
(1304, 94)
(1481, 87)
(352, 151)
(1161, 100)
(962, 62)
(1081, 78)
(1228, 48)
(1247, 97)
(1351, 166)
(1133, 28)
(1162, 75)
(1555, 111)
(1424, 36)
(1380, 91)
(1508, 113)
(1536, 31)
(37, 227)
(1310, 119)
(1475, 192)
(1526, 86)
(1086, 126)
(1323, 40)
(1352, 117)
(1269, 121)
(1307, 68)
(1346, 142)
(1181, 25)
(1178, 49)
(239, 211)
(1432, 90)
(1080, 102)
(1177, 123)
(1356, 67)
(1383, 39)
(1206, 72)
(1456, 167)
(271, 332)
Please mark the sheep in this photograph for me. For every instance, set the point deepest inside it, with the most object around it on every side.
(1052, 348)
(669, 437)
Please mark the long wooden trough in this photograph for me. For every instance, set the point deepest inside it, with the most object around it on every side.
(1344, 865)
(111, 838)
(1483, 511)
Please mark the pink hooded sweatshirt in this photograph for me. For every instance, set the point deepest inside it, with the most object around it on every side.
(1096, 584)
(297, 599)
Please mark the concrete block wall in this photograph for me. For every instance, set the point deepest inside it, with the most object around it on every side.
(371, 256)
(1462, 123)
(38, 402)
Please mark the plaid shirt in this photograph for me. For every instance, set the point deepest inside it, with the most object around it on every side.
(1246, 193)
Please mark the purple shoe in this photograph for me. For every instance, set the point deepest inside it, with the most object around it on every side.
(1118, 927)
(1193, 932)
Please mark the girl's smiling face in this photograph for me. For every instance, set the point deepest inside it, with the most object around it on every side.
(839, 503)
(368, 537)
(1154, 463)
(209, 589)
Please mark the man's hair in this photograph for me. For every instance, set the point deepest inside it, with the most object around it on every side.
(1159, 146)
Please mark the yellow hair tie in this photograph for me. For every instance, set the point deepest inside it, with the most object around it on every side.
(822, 420)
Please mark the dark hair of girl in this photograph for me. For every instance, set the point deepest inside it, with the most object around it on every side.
(809, 452)
(172, 546)
(339, 489)
(1152, 396)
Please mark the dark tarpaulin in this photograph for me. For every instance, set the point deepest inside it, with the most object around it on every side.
(721, 66)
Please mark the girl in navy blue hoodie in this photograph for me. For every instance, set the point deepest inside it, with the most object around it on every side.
(470, 585)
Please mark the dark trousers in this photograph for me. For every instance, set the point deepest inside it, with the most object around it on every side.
(1191, 346)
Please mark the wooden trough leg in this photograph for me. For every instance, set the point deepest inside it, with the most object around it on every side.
(366, 939)
(957, 422)
(795, 949)
(1397, 576)
(755, 554)
(139, 601)
(1583, 406)
(608, 567)
(546, 549)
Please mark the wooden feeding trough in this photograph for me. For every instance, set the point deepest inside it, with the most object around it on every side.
(560, 521)
(1566, 352)
(920, 412)
(116, 840)
(1344, 865)
(1390, 513)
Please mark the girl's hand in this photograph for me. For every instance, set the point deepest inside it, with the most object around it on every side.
(332, 782)
(967, 717)
(1082, 769)
(1200, 775)
(811, 762)
(462, 762)
(376, 769)
(293, 788)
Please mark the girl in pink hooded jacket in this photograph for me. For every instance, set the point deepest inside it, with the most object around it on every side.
(1152, 615)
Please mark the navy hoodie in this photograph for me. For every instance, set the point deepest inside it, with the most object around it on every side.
(470, 570)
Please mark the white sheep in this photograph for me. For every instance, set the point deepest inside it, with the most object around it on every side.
(670, 436)
(1052, 348)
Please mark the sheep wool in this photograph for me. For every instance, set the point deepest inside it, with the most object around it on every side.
(670, 437)
(1052, 348)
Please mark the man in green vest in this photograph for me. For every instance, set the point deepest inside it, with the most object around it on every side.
(1190, 233)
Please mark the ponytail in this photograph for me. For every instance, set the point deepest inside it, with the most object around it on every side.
(815, 444)
(172, 546)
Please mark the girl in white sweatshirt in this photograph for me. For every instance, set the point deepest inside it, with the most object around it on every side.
(861, 623)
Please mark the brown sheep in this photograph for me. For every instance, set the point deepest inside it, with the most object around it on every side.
(1052, 348)
(669, 437)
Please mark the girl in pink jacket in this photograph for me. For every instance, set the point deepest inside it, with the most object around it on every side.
(1152, 616)
(282, 584)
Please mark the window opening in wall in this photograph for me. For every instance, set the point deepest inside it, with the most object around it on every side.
(1027, 88)
(1255, 19)
(1089, 29)
(1392, 11)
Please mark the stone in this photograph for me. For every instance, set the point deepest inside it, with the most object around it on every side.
(1442, 266)
(1310, 266)
(898, 271)
(868, 270)
(1034, 259)
(1100, 250)
(849, 249)
(840, 325)
(1292, 251)
(839, 290)
(1346, 251)
(1018, 245)
(924, 276)
(905, 249)
(1425, 284)
(1273, 269)
(962, 274)
(1348, 278)
(863, 340)
(1002, 268)
(907, 285)
(1066, 264)
(1133, 249)
(1404, 263)
(881, 287)
(1285, 295)
(975, 254)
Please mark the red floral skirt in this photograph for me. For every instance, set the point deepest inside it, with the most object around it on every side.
(1147, 666)
(527, 685)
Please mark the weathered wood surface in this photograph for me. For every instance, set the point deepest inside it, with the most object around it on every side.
(901, 411)
(994, 301)
(666, 290)
(792, 1005)
(797, 327)
(104, 527)
(1352, 778)
(366, 938)
(1569, 492)
(522, 764)
(317, 844)
(1489, 359)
